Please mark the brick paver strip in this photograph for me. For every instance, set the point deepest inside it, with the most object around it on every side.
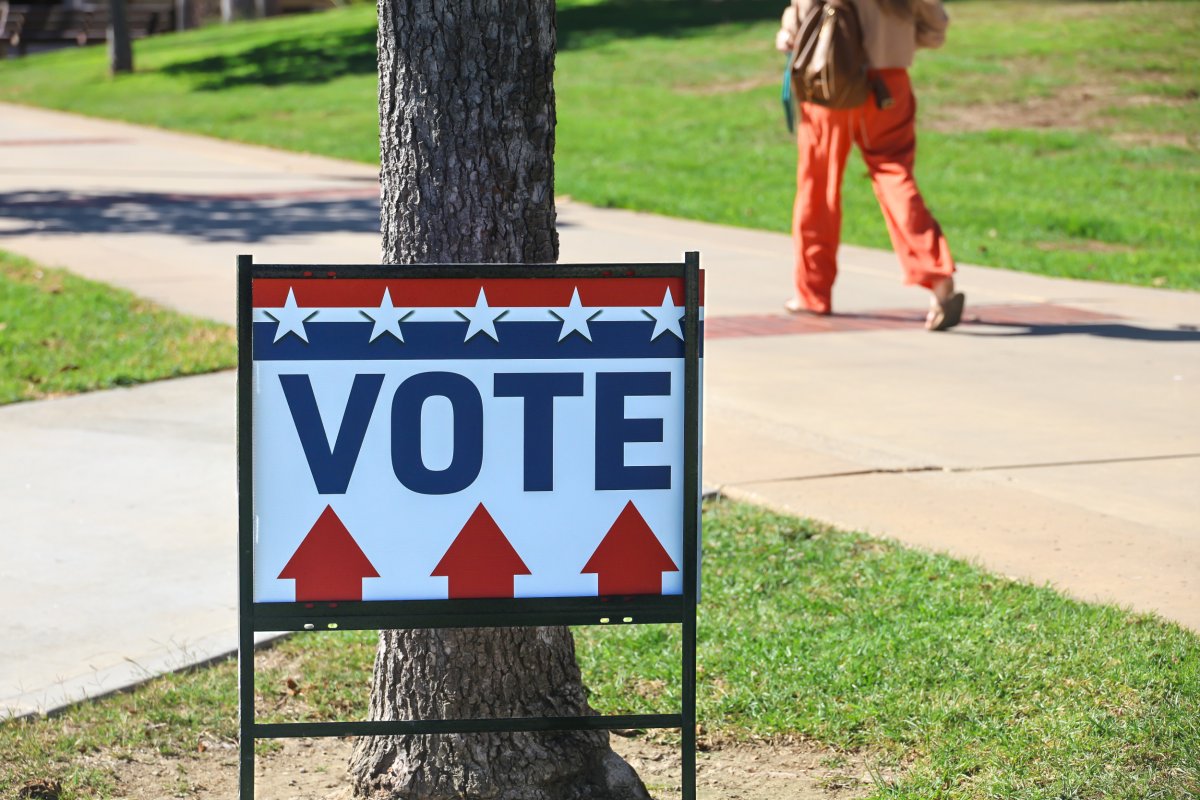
(60, 142)
(1009, 315)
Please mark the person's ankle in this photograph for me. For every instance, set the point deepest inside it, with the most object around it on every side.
(943, 290)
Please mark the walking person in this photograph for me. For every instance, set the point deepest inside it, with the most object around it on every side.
(892, 32)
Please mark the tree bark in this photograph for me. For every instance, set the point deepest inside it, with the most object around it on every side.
(473, 673)
(466, 117)
(466, 112)
(120, 49)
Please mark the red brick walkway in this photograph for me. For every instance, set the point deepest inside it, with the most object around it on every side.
(1013, 315)
(62, 142)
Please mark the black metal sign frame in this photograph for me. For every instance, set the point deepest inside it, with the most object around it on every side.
(458, 613)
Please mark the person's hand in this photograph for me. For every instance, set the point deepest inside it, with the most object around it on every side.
(783, 41)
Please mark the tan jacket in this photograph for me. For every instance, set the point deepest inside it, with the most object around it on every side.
(889, 40)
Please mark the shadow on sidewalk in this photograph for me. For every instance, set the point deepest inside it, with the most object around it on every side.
(1002, 320)
(209, 218)
(1103, 330)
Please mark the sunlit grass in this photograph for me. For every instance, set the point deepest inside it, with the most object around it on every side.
(962, 683)
(61, 334)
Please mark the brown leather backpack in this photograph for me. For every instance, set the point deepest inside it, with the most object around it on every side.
(829, 63)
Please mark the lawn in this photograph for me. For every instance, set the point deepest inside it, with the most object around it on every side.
(1056, 137)
(61, 334)
(959, 683)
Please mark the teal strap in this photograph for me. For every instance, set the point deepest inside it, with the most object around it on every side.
(789, 108)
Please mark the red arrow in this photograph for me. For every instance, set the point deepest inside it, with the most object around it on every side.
(630, 559)
(328, 564)
(480, 562)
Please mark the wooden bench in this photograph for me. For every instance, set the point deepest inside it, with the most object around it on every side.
(22, 25)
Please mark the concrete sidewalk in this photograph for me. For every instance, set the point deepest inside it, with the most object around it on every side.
(1054, 437)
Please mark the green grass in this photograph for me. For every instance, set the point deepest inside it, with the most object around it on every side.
(61, 334)
(983, 686)
(973, 685)
(672, 106)
(179, 716)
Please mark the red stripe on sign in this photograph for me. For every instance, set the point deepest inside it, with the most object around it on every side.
(457, 293)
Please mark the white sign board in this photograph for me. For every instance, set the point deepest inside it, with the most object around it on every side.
(444, 438)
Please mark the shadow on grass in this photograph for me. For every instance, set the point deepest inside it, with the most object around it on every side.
(322, 58)
(299, 60)
(208, 218)
(629, 19)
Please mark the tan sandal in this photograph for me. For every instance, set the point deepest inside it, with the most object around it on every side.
(947, 313)
(798, 308)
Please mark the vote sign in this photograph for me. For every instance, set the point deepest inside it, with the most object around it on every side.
(472, 436)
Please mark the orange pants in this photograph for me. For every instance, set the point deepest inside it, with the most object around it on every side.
(888, 141)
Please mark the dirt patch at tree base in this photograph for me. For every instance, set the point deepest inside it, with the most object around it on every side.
(315, 769)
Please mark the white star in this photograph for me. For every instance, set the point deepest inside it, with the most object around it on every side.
(481, 318)
(387, 318)
(291, 319)
(666, 317)
(575, 318)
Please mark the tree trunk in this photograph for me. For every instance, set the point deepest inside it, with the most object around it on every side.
(233, 10)
(189, 14)
(472, 673)
(120, 49)
(466, 111)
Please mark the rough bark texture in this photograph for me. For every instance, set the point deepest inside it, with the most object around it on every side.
(466, 116)
(466, 104)
(472, 673)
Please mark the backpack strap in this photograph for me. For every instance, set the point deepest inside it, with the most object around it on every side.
(790, 106)
(801, 23)
(785, 96)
